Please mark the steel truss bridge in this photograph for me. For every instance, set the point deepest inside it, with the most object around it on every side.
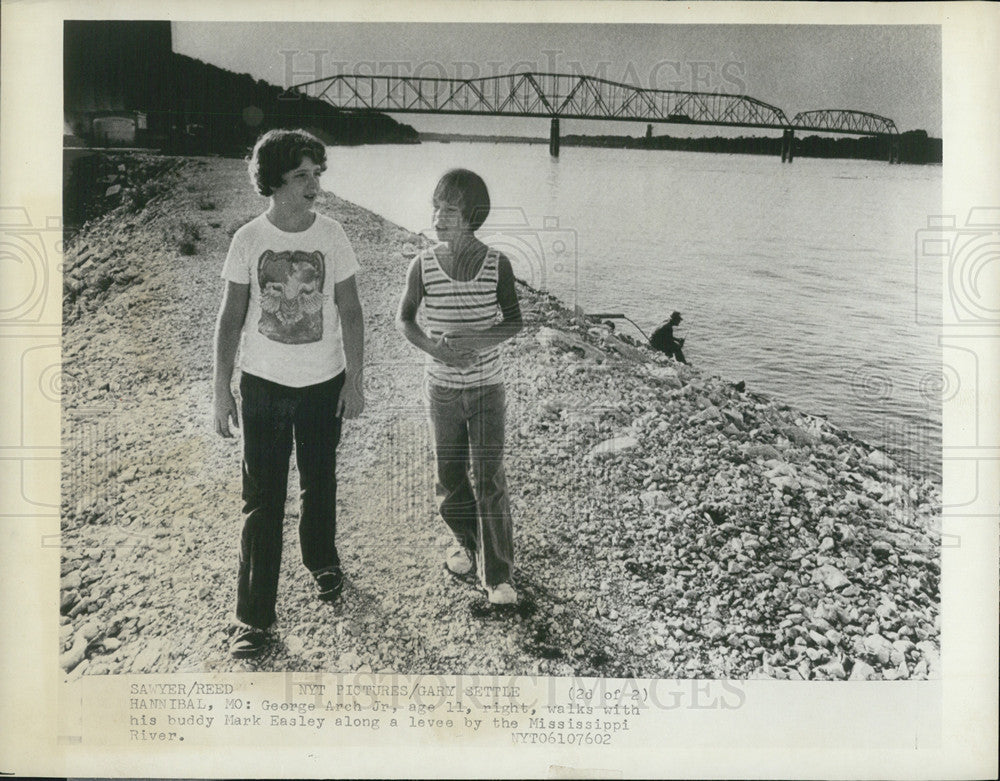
(562, 96)
(832, 120)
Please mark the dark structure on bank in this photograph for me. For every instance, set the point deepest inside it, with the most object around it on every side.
(125, 86)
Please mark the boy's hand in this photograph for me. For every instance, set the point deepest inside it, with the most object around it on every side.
(447, 353)
(463, 342)
(352, 399)
(225, 409)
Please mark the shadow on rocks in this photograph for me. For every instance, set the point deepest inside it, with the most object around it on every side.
(543, 634)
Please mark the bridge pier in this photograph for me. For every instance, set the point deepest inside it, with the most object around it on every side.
(787, 142)
(893, 149)
(554, 137)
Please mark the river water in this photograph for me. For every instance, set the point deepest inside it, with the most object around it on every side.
(798, 279)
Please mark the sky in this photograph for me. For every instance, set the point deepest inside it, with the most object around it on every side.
(894, 71)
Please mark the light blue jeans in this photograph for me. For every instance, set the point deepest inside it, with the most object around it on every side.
(468, 429)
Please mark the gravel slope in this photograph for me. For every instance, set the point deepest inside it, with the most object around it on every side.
(667, 524)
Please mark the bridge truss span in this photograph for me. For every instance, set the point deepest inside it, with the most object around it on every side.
(558, 96)
(550, 95)
(844, 121)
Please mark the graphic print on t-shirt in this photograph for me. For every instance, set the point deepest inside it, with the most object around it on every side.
(291, 296)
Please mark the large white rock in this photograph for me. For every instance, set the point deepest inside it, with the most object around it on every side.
(74, 655)
(880, 647)
(148, 656)
(785, 483)
(663, 373)
(880, 459)
(551, 337)
(760, 451)
(833, 669)
(931, 654)
(735, 416)
(614, 445)
(831, 577)
(348, 661)
(862, 671)
(653, 499)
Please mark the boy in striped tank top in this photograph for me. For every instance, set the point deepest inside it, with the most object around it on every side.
(470, 307)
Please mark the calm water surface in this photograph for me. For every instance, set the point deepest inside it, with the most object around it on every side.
(796, 278)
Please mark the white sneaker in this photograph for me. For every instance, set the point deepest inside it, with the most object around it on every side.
(502, 594)
(458, 562)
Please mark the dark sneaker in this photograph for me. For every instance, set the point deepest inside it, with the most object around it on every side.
(330, 583)
(248, 641)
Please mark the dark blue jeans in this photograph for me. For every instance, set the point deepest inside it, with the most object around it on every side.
(468, 428)
(274, 417)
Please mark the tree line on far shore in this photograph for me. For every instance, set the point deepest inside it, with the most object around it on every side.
(915, 146)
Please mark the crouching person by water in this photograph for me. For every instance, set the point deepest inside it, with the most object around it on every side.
(663, 338)
(290, 303)
(470, 307)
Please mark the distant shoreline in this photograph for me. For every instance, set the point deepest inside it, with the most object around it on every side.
(917, 147)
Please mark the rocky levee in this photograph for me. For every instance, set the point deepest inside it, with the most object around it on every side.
(668, 523)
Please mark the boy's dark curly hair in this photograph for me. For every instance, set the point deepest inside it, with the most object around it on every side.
(468, 191)
(279, 151)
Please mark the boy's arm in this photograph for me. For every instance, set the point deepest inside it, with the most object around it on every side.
(232, 314)
(406, 323)
(352, 325)
(509, 308)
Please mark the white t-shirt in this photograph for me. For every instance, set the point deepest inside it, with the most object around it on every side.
(291, 334)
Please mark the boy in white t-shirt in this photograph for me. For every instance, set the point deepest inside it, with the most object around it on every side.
(291, 306)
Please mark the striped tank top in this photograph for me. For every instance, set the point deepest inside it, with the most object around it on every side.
(451, 306)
